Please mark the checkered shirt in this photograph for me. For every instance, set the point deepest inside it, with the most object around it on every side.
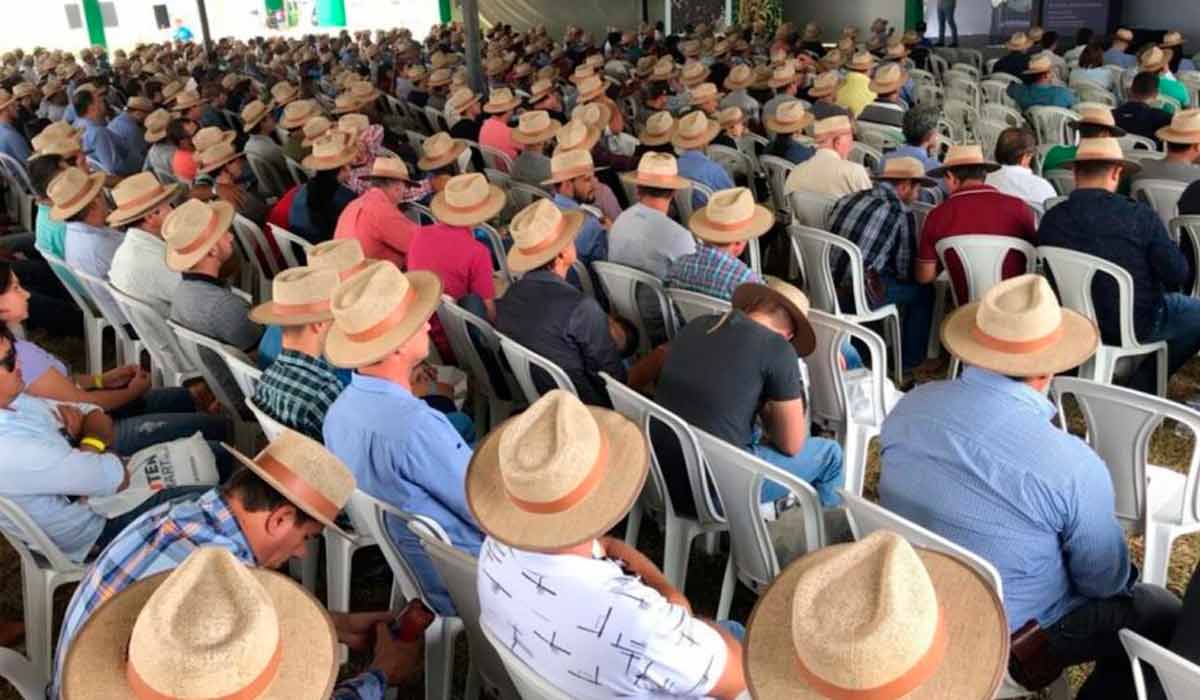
(710, 271)
(881, 226)
(297, 390)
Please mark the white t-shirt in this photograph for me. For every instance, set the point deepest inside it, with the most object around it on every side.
(592, 630)
(1021, 182)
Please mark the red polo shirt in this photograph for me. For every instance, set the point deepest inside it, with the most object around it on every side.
(977, 210)
(463, 264)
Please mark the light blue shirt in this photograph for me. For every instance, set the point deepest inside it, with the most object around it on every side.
(13, 143)
(101, 146)
(407, 454)
(41, 469)
(694, 165)
(977, 461)
(592, 242)
(1117, 57)
(90, 250)
(133, 136)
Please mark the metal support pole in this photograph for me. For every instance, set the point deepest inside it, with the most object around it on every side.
(645, 13)
(666, 18)
(207, 36)
(470, 10)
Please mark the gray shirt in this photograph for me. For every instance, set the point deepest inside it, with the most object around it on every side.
(1167, 170)
(207, 306)
(139, 268)
(159, 157)
(531, 168)
(742, 99)
(649, 240)
(268, 153)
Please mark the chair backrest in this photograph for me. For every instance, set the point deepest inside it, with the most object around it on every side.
(1179, 678)
(1162, 196)
(816, 250)
(529, 685)
(1052, 202)
(499, 252)
(777, 170)
(369, 516)
(938, 66)
(1000, 112)
(1063, 180)
(272, 181)
(155, 334)
(297, 171)
(421, 214)
(960, 113)
(1073, 273)
(97, 290)
(522, 361)
(747, 143)
(982, 260)
(22, 675)
(27, 536)
(988, 133)
(458, 324)
(271, 428)
(496, 159)
(255, 247)
(14, 170)
(1185, 230)
(288, 242)
(811, 208)
(522, 194)
(736, 163)
(868, 156)
(1051, 124)
(191, 342)
(739, 477)
(459, 571)
(436, 119)
(1120, 423)
(243, 370)
(690, 305)
(965, 91)
(621, 284)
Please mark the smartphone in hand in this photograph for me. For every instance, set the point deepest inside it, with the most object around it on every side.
(411, 622)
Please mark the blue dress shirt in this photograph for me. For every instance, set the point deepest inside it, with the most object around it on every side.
(694, 165)
(132, 135)
(592, 242)
(13, 143)
(102, 146)
(977, 461)
(1117, 57)
(407, 454)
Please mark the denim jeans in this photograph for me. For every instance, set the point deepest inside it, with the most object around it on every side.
(819, 463)
(915, 302)
(1186, 641)
(1179, 325)
(114, 526)
(735, 628)
(946, 16)
(162, 415)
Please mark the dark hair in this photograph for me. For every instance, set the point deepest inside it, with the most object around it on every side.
(656, 90)
(1014, 143)
(1093, 131)
(969, 172)
(1177, 147)
(256, 496)
(176, 132)
(1083, 36)
(322, 189)
(1092, 56)
(83, 101)
(1049, 39)
(1176, 53)
(1145, 84)
(654, 192)
(42, 170)
(919, 123)
(1092, 168)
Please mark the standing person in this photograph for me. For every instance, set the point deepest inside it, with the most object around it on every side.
(1118, 52)
(945, 13)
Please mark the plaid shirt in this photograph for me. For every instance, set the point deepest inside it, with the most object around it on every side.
(881, 226)
(297, 390)
(159, 541)
(710, 271)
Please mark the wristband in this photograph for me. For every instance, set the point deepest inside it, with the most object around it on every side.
(98, 380)
(95, 443)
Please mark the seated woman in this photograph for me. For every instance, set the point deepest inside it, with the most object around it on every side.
(1091, 67)
(144, 416)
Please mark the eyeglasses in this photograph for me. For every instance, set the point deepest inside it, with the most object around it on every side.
(9, 361)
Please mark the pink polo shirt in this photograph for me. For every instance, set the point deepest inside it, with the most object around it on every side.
(463, 264)
(383, 231)
(498, 135)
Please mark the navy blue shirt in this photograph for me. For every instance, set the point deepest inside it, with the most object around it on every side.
(1014, 64)
(1189, 203)
(1141, 119)
(1128, 233)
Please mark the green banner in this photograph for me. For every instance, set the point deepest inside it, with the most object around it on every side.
(914, 12)
(446, 10)
(273, 5)
(331, 13)
(95, 22)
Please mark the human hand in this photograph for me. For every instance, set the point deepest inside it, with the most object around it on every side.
(72, 421)
(118, 378)
(355, 629)
(139, 384)
(398, 661)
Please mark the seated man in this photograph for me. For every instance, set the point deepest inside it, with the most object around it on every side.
(589, 591)
(222, 170)
(880, 223)
(259, 125)
(823, 95)
(1041, 91)
(1095, 121)
(788, 124)
(1138, 115)
(375, 219)
(855, 92)
(545, 313)
(1015, 149)
(692, 135)
(400, 450)
(298, 388)
(726, 226)
(921, 137)
(103, 146)
(956, 460)
(573, 178)
(722, 373)
(1098, 221)
(259, 521)
(828, 171)
(887, 83)
(1016, 60)
(1154, 60)
(89, 244)
(1118, 52)
(1182, 162)
(534, 132)
(139, 266)
(496, 132)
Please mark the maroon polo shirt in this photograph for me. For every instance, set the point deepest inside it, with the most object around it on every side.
(977, 210)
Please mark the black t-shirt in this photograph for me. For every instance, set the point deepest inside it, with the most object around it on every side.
(1189, 203)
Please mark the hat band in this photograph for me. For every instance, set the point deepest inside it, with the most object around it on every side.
(575, 495)
(212, 230)
(79, 198)
(143, 199)
(393, 319)
(572, 173)
(142, 690)
(548, 241)
(313, 307)
(300, 489)
(1017, 347)
(657, 179)
(922, 670)
(729, 226)
(352, 270)
(322, 160)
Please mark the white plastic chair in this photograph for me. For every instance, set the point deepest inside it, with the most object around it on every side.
(255, 252)
(492, 404)
(1050, 124)
(867, 517)
(814, 249)
(243, 370)
(962, 116)
(271, 428)
(272, 182)
(287, 243)
(158, 339)
(736, 164)
(621, 285)
(988, 132)
(866, 155)
(1073, 273)
(1161, 195)
(522, 194)
(1180, 678)
(811, 208)
(995, 92)
(297, 171)
(21, 188)
(881, 138)
(1185, 230)
(529, 685)
(777, 170)
(94, 322)
(1157, 501)
(129, 349)
(1063, 180)
(1000, 112)
(522, 361)
(458, 570)
(496, 159)
(739, 477)
(419, 213)
(689, 305)
(44, 568)
(679, 530)
(230, 397)
(23, 675)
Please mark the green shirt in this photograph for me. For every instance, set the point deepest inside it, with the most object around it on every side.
(1173, 88)
(49, 233)
(1058, 157)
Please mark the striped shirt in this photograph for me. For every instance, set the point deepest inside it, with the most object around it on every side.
(297, 390)
(710, 271)
(160, 541)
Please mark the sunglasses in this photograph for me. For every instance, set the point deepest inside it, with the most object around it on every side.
(9, 361)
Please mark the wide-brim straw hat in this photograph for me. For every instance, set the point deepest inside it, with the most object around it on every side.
(331, 152)
(659, 129)
(658, 170)
(740, 77)
(1172, 39)
(889, 78)
(1095, 114)
(1018, 329)
(964, 155)
(440, 150)
(535, 128)
(378, 310)
(540, 231)
(1103, 150)
(299, 296)
(500, 101)
(1184, 128)
(790, 117)
(971, 618)
(695, 131)
(577, 134)
(905, 168)
(295, 114)
(137, 195)
(568, 165)
(467, 200)
(253, 114)
(1152, 59)
(782, 76)
(1038, 65)
(156, 125)
(216, 157)
(825, 85)
(804, 339)
(193, 229)
(78, 190)
(560, 443)
(731, 216)
(1017, 42)
(97, 663)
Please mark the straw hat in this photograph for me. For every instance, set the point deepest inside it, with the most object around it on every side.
(501, 100)
(314, 129)
(730, 116)
(342, 255)
(1123, 35)
(576, 134)
(831, 127)
(353, 124)
(71, 191)
(52, 145)
(789, 118)
(299, 296)
(359, 95)
(861, 62)
(833, 59)
(804, 340)
(156, 124)
(192, 229)
(187, 100)
(663, 70)
(462, 98)
(389, 168)
(253, 113)
(440, 150)
(826, 84)
(1172, 39)
(282, 93)
(1039, 64)
(704, 92)
(910, 38)
(6, 99)
(215, 157)
(1096, 114)
(378, 310)
(694, 73)
(210, 628)
(1103, 150)
(930, 627)
(440, 77)
(695, 131)
(535, 128)
(297, 113)
(889, 78)
(782, 76)
(730, 216)
(539, 89)
(590, 88)
(1019, 330)
(812, 32)
(906, 168)
(540, 231)
(1184, 128)
(331, 152)
(659, 129)
(595, 114)
(740, 77)
(467, 200)
(210, 136)
(138, 195)
(568, 165)
(557, 475)
(966, 154)
(658, 170)
(896, 49)
(1018, 42)
(137, 103)
(1152, 59)
(582, 72)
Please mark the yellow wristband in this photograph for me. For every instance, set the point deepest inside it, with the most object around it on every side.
(98, 380)
(95, 443)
